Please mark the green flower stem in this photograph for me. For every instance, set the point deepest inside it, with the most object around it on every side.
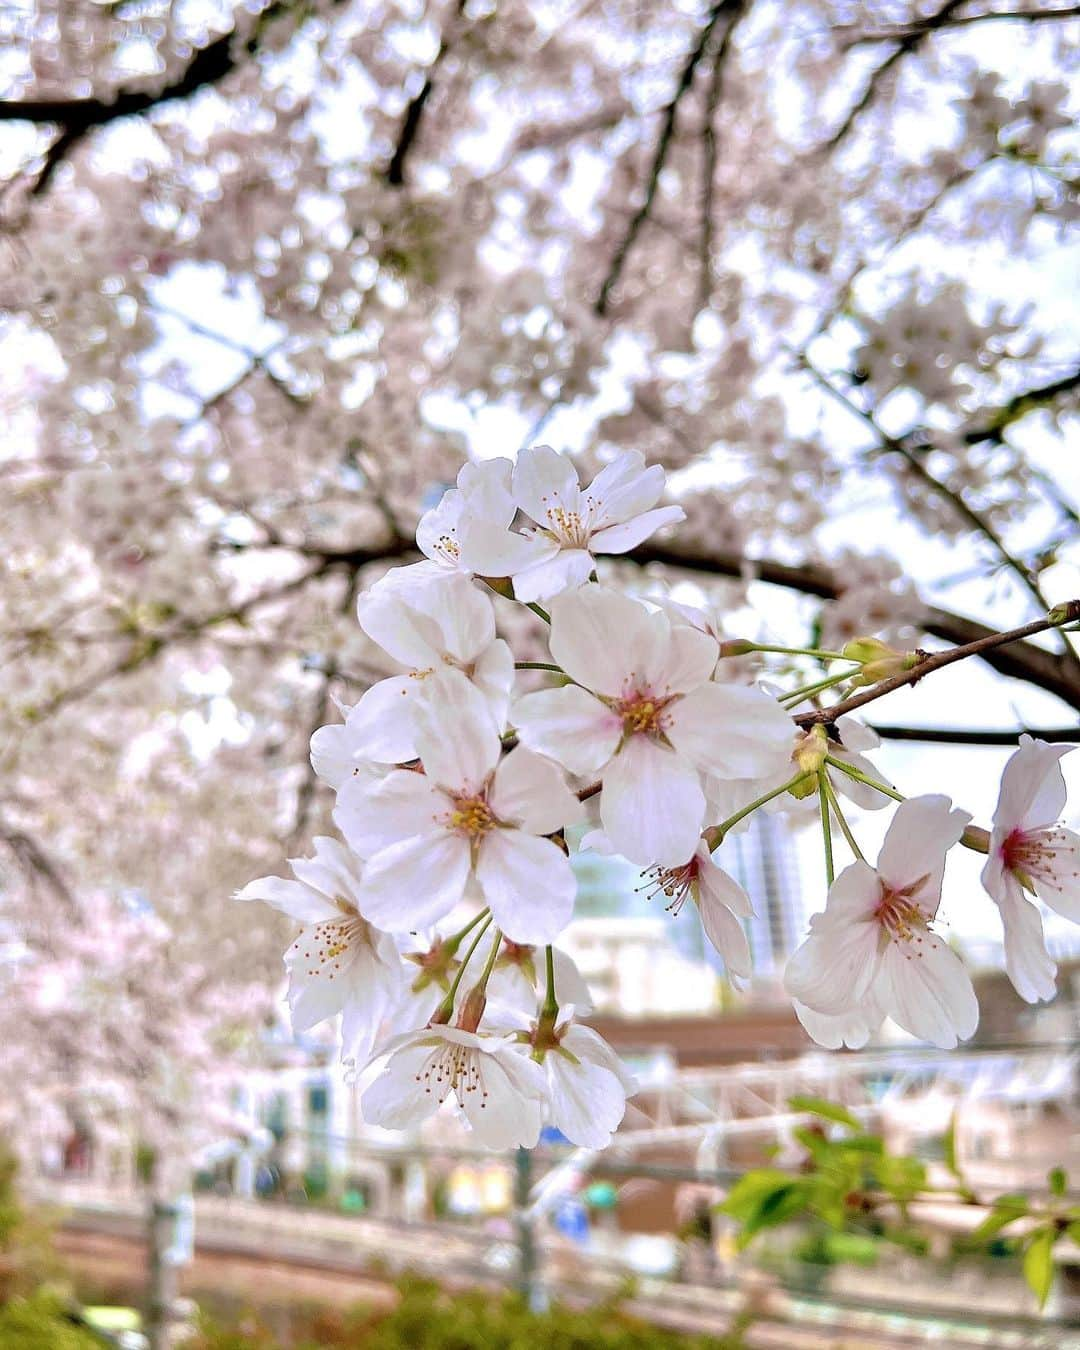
(862, 778)
(550, 1009)
(454, 942)
(715, 835)
(446, 1007)
(830, 792)
(826, 826)
(799, 651)
(538, 665)
(489, 964)
(809, 690)
(537, 610)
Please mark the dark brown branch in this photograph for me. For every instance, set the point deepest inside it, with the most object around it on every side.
(936, 661)
(904, 44)
(36, 862)
(1000, 419)
(709, 150)
(663, 145)
(969, 736)
(76, 118)
(920, 27)
(410, 126)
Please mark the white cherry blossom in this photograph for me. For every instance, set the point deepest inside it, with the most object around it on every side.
(587, 1083)
(570, 523)
(469, 817)
(872, 948)
(340, 962)
(445, 622)
(481, 502)
(1030, 851)
(644, 714)
(499, 1090)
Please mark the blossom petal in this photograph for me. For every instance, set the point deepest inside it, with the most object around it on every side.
(570, 726)
(916, 842)
(530, 791)
(292, 898)
(416, 881)
(862, 794)
(930, 993)
(731, 730)
(493, 675)
(503, 553)
(528, 884)
(511, 1112)
(726, 934)
(380, 726)
(651, 805)
(545, 483)
(568, 568)
(1032, 786)
(622, 538)
(602, 639)
(395, 1100)
(686, 660)
(852, 1029)
(402, 805)
(456, 733)
(624, 488)
(834, 968)
(1027, 962)
(587, 1101)
(1057, 882)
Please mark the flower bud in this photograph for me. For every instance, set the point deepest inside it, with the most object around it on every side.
(1066, 612)
(879, 661)
(736, 647)
(472, 1010)
(809, 755)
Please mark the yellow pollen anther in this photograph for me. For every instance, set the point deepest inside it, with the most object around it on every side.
(472, 816)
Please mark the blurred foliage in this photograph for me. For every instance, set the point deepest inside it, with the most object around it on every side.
(26, 1257)
(427, 1317)
(43, 1321)
(856, 1196)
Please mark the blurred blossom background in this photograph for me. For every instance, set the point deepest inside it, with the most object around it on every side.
(270, 273)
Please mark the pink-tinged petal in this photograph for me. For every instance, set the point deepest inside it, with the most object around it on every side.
(918, 838)
(380, 726)
(332, 755)
(570, 726)
(604, 640)
(995, 877)
(485, 490)
(622, 538)
(313, 995)
(528, 884)
(530, 791)
(853, 897)
(1032, 786)
(545, 483)
(455, 733)
(503, 553)
(852, 1029)
(718, 888)
(416, 882)
(293, 898)
(726, 934)
(651, 805)
(1057, 882)
(587, 1100)
(626, 487)
(927, 991)
(564, 571)
(407, 634)
(334, 871)
(731, 730)
(403, 805)
(686, 660)
(834, 969)
(1027, 962)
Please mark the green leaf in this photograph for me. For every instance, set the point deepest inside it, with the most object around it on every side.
(765, 1199)
(818, 1106)
(1039, 1264)
(1007, 1208)
(1058, 1181)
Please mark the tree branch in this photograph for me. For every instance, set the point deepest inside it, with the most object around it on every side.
(920, 27)
(936, 661)
(663, 144)
(969, 736)
(76, 118)
(410, 126)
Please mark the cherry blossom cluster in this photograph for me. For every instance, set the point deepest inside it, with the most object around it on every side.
(462, 789)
